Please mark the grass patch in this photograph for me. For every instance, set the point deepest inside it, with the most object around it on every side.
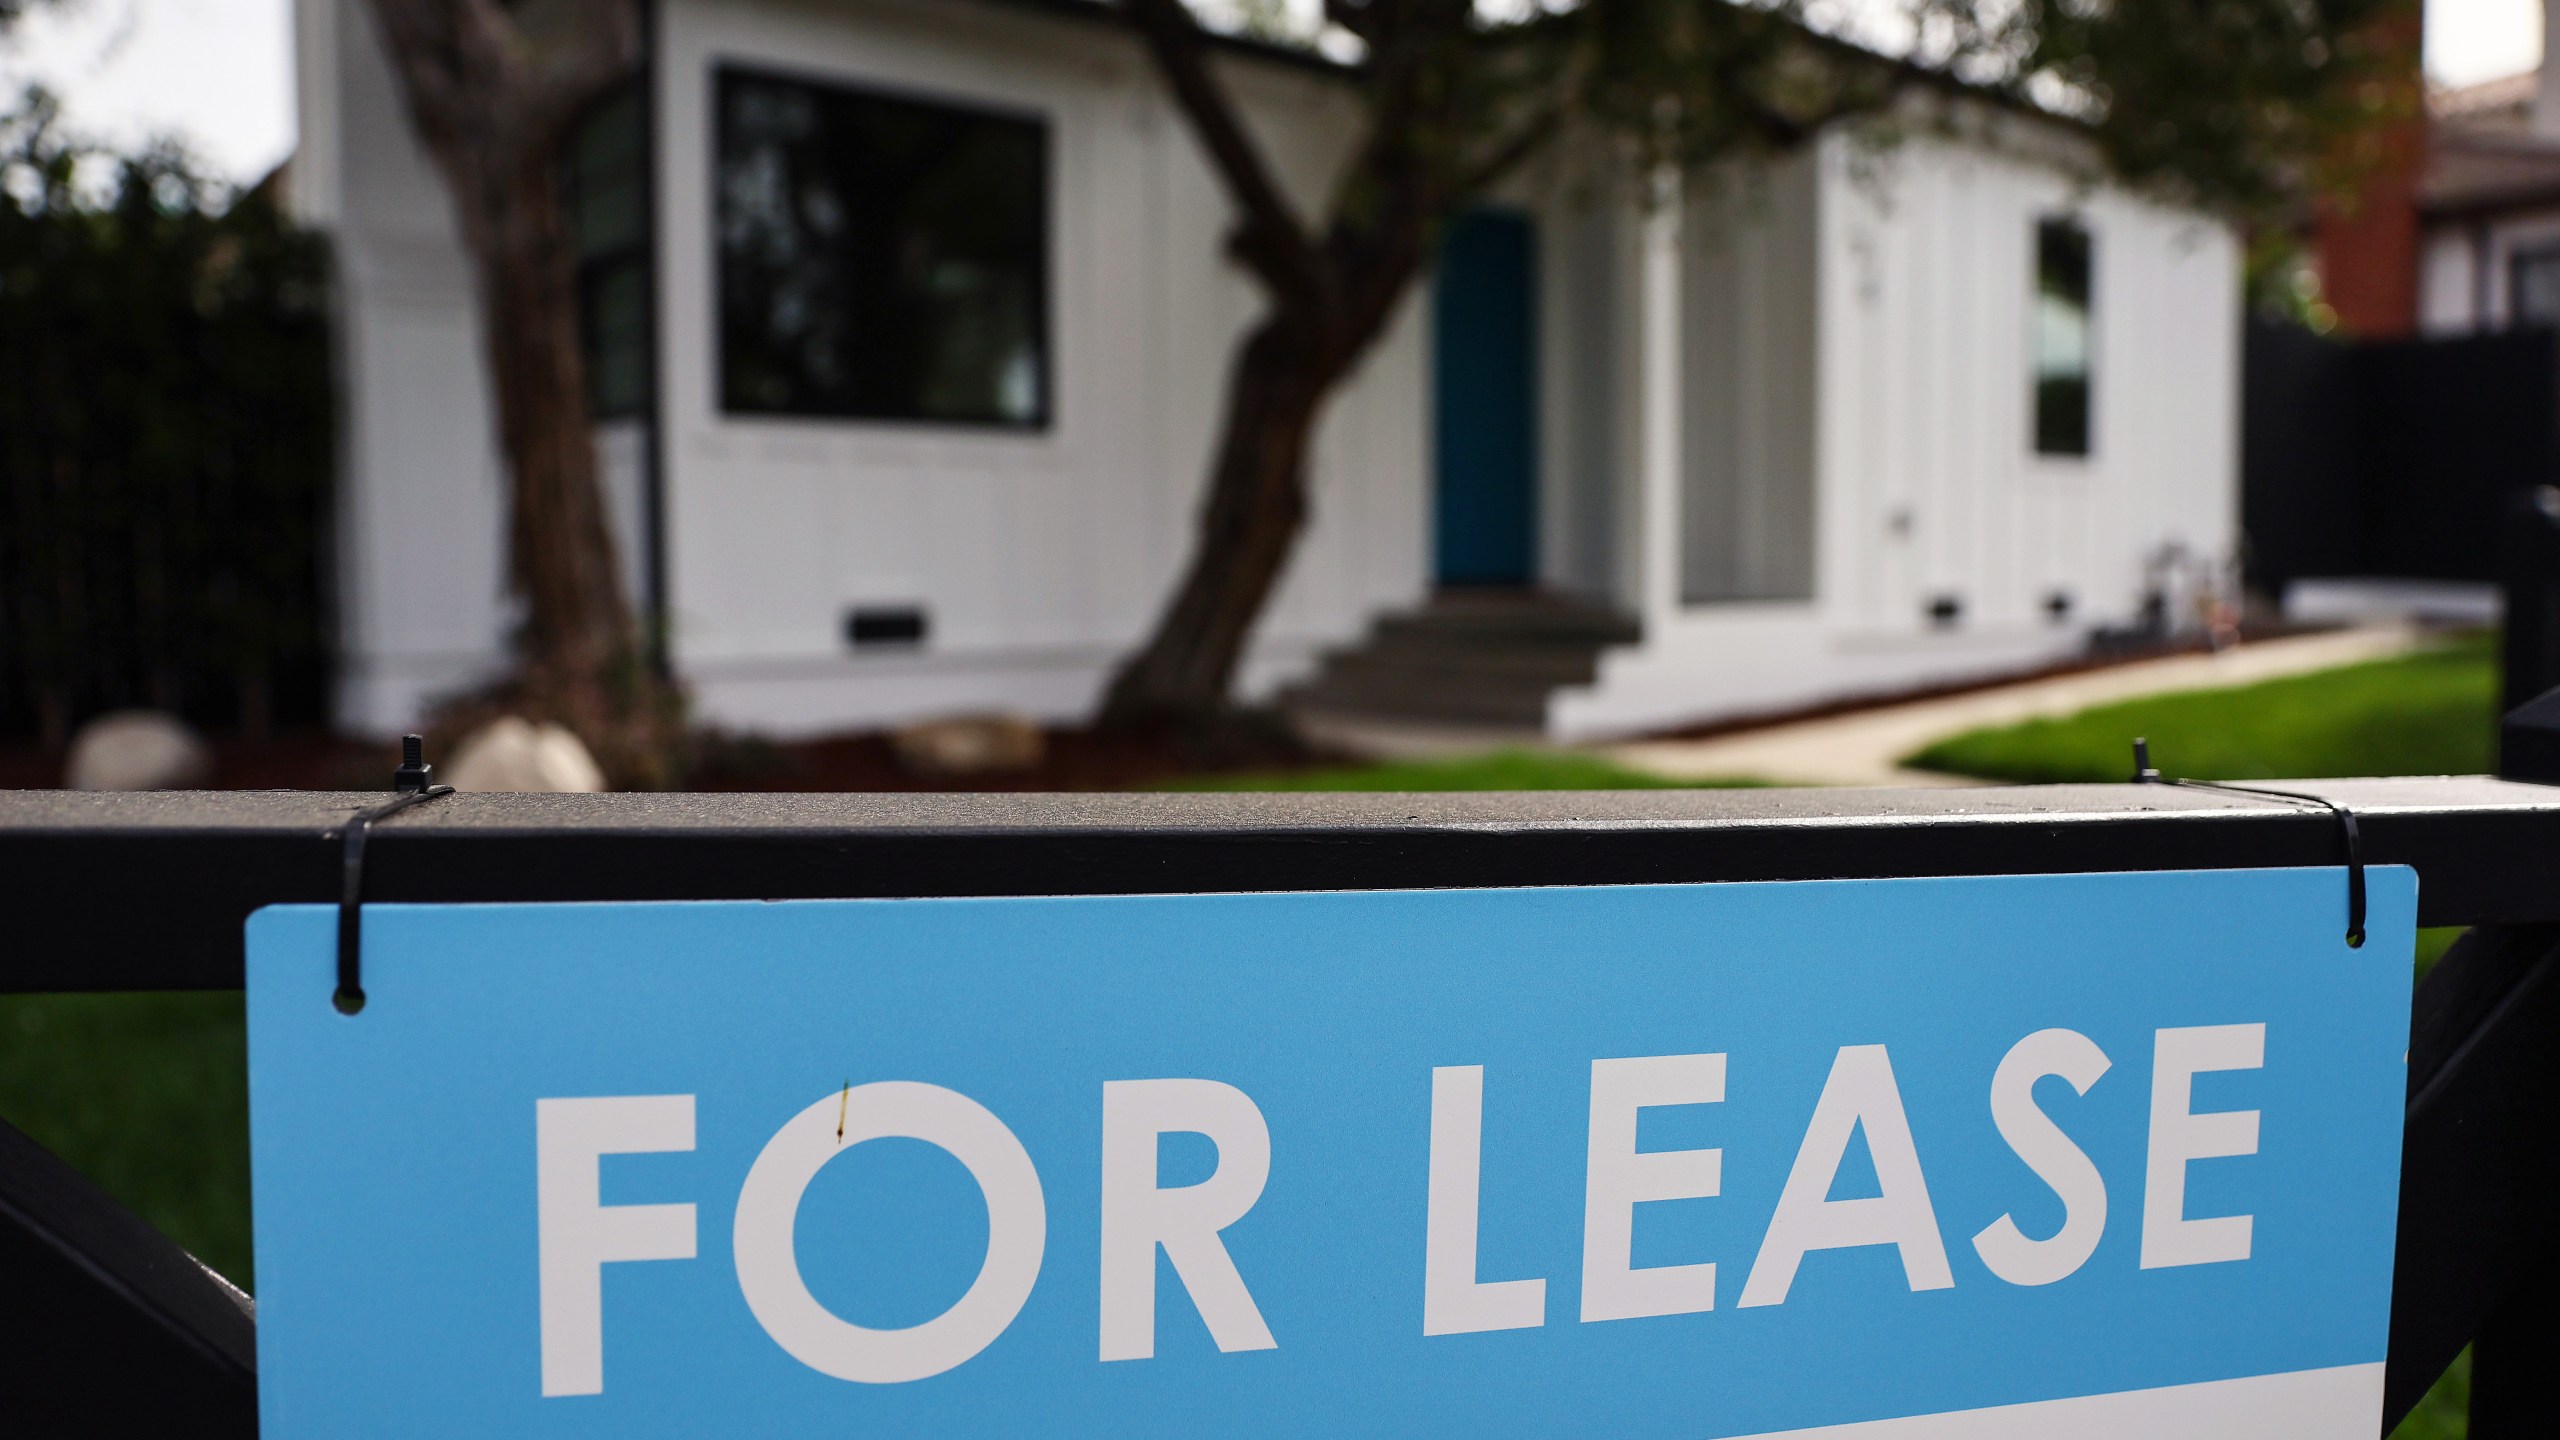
(147, 1095)
(2432, 943)
(2431, 713)
(1498, 770)
(2444, 1413)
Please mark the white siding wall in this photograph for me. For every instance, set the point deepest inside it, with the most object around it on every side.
(2464, 269)
(1928, 409)
(2449, 276)
(1927, 483)
(421, 599)
(1749, 261)
(1586, 357)
(1040, 557)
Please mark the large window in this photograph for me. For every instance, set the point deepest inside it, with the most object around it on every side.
(881, 258)
(2062, 337)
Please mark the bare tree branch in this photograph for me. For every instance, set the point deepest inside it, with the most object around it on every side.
(1357, 16)
(509, 77)
(1506, 154)
(1269, 238)
(577, 50)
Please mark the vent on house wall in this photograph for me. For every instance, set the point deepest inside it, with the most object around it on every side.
(872, 626)
(1946, 611)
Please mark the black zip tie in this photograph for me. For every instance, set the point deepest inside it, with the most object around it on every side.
(413, 781)
(2144, 774)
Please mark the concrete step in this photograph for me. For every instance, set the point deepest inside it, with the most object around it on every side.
(1524, 707)
(1483, 658)
(1518, 623)
(1543, 664)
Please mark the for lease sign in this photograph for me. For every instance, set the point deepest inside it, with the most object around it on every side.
(2092, 1155)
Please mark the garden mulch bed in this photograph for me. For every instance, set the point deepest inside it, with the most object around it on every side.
(1076, 759)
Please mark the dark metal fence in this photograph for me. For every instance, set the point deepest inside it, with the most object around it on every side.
(2395, 458)
(148, 892)
(166, 450)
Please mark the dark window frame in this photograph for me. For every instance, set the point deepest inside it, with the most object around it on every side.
(629, 259)
(2052, 437)
(2519, 260)
(1043, 413)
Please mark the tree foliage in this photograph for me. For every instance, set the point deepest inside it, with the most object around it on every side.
(2243, 106)
(165, 438)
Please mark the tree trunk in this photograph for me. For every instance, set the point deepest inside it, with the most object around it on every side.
(576, 628)
(1257, 504)
(494, 91)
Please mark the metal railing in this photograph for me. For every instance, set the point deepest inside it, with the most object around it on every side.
(150, 892)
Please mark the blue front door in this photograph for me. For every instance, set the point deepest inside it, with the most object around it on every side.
(1485, 400)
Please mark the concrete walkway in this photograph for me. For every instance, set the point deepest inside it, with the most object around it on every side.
(1863, 748)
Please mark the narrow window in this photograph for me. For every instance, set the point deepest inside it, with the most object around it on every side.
(2062, 349)
(881, 257)
(2534, 287)
(605, 200)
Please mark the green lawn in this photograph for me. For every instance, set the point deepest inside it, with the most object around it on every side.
(148, 1095)
(2445, 1413)
(2431, 713)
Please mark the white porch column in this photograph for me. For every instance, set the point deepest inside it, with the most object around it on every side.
(2546, 92)
(1658, 417)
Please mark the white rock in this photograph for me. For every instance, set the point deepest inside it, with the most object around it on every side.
(969, 744)
(137, 750)
(510, 753)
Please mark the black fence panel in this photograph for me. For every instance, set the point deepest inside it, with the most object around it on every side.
(120, 1332)
(2297, 457)
(2448, 431)
(166, 452)
(2396, 459)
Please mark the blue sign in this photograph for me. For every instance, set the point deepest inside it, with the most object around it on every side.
(2096, 1155)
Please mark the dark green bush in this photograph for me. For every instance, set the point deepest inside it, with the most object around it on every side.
(165, 440)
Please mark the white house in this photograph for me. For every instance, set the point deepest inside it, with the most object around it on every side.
(941, 325)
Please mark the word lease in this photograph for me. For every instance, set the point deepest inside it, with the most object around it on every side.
(2107, 1156)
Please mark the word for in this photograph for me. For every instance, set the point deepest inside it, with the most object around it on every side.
(579, 1235)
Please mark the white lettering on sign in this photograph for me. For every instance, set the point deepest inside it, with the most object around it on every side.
(1617, 1177)
(2047, 1151)
(2179, 1136)
(577, 1235)
(1860, 1095)
(769, 1210)
(1454, 1302)
(1137, 1216)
